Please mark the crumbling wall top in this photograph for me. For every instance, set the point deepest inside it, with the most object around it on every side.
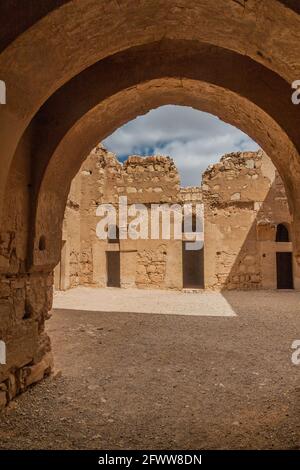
(238, 178)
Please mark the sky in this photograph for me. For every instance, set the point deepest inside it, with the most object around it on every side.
(193, 139)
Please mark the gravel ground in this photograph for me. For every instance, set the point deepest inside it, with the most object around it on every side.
(144, 381)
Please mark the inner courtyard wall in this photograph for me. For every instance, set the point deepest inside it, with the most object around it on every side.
(244, 201)
(143, 263)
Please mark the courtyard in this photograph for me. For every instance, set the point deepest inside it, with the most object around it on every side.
(145, 369)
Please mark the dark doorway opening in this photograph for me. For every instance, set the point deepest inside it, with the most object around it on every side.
(282, 233)
(284, 264)
(192, 267)
(113, 268)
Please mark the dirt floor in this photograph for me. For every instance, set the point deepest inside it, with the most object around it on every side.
(165, 380)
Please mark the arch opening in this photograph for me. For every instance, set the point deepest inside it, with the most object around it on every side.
(157, 53)
(157, 93)
(254, 170)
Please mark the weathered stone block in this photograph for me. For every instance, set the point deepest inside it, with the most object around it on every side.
(35, 373)
(21, 345)
(12, 386)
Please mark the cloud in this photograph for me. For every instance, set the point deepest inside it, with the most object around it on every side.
(192, 138)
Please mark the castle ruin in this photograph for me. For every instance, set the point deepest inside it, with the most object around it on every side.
(247, 226)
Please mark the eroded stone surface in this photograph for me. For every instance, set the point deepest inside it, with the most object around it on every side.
(244, 201)
(25, 302)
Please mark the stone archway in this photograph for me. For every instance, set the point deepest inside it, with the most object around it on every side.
(232, 59)
(124, 106)
(251, 29)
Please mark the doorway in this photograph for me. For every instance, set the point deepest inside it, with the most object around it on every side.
(192, 267)
(113, 268)
(284, 266)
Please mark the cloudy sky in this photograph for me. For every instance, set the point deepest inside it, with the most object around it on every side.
(192, 138)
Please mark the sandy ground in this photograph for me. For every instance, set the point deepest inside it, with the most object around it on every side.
(145, 301)
(205, 379)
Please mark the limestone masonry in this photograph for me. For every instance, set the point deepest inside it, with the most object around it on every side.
(245, 212)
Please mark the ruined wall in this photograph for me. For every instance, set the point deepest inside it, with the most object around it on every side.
(142, 180)
(102, 179)
(25, 302)
(242, 192)
(244, 200)
(151, 267)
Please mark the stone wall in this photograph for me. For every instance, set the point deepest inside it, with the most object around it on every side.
(25, 302)
(25, 294)
(243, 197)
(151, 267)
(102, 179)
(240, 193)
